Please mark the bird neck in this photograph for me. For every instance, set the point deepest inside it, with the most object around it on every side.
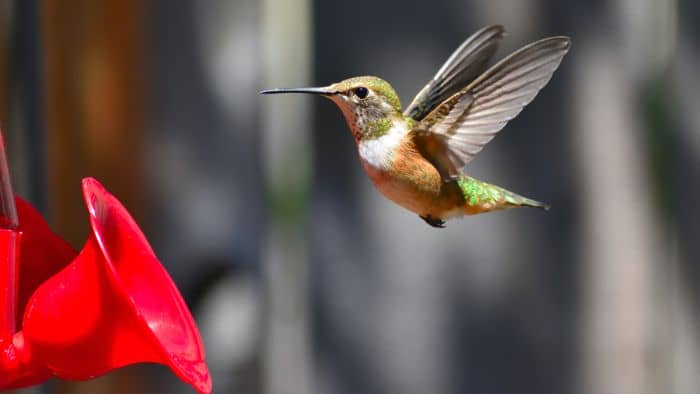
(378, 150)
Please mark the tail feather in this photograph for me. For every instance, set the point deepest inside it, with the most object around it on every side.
(484, 197)
(520, 201)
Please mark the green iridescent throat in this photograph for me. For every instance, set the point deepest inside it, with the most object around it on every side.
(378, 128)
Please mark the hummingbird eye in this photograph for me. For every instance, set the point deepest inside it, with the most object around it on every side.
(361, 92)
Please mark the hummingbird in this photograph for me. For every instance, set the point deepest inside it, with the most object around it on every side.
(416, 156)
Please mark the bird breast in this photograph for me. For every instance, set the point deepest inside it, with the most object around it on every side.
(402, 175)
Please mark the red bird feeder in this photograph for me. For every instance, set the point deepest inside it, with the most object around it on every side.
(109, 306)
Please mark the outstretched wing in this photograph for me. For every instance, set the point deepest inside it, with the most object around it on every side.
(465, 64)
(454, 132)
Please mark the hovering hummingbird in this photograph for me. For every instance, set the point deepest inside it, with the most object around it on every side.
(415, 157)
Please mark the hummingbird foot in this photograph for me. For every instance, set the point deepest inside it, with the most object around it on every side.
(439, 223)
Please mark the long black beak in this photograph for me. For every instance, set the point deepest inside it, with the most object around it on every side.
(322, 90)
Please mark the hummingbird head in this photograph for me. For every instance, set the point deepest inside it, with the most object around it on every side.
(369, 104)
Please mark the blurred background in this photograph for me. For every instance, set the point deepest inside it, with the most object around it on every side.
(302, 277)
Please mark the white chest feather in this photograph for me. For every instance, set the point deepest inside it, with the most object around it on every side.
(378, 153)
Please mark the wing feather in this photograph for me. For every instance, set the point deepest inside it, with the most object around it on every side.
(456, 130)
(465, 64)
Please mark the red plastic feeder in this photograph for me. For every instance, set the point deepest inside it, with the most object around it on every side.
(110, 306)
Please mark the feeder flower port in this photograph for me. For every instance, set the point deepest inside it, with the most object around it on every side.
(84, 314)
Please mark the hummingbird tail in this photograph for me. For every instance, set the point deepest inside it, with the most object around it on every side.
(513, 200)
(483, 197)
(526, 202)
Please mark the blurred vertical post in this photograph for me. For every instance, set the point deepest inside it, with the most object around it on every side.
(287, 51)
(619, 247)
(22, 116)
(651, 30)
(5, 33)
(628, 299)
(93, 72)
(94, 67)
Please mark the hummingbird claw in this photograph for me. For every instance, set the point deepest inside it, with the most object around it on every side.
(438, 223)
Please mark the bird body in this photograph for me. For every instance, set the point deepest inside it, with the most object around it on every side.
(400, 172)
(415, 157)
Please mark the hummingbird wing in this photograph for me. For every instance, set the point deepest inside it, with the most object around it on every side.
(465, 64)
(454, 132)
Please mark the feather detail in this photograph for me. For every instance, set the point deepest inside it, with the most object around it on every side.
(459, 128)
